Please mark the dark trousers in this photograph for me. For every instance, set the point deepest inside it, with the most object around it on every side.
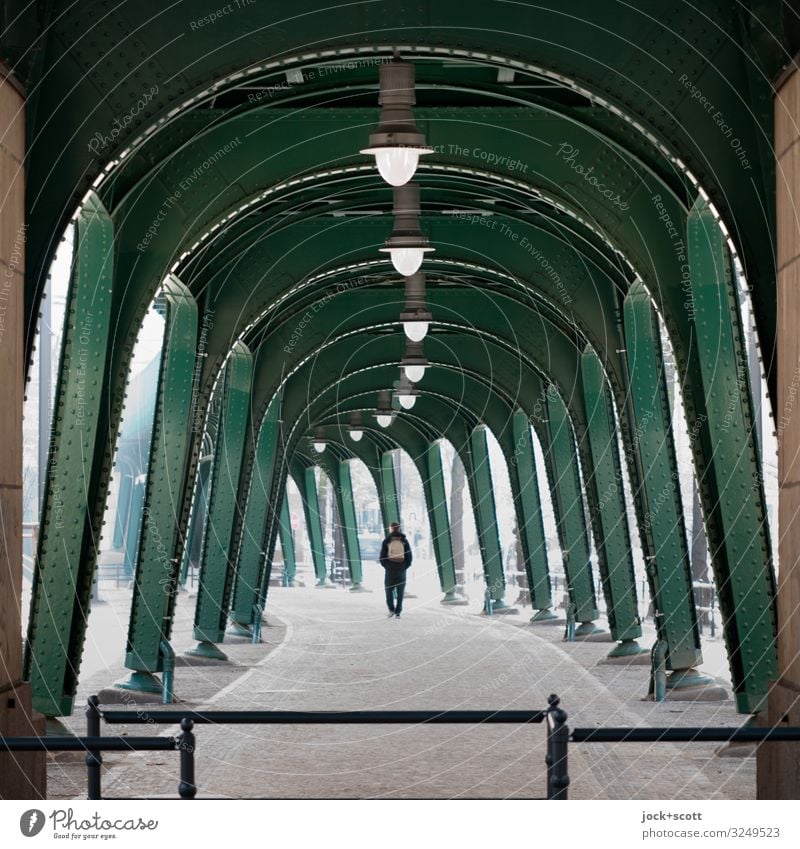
(395, 582)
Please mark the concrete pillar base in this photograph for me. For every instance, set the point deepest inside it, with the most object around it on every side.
(23, 775)
(141, 682)
(453, 598)
(324, 584)
(359, 588)
(627, 649)
(545, 616)
(588, 629)
(239, 629)
(207, 651)
(778, 764)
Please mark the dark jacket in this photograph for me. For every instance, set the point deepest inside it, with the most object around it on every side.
(389, 564)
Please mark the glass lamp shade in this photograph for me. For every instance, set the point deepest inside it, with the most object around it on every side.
(319, 447)
(414, 373)
(406, 261)
(384, 419)
(396, 164)
(407, 401)
(356, 435)
(416, 330)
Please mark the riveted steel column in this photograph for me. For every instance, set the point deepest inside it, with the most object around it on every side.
(252, 549)
(530, 523)
(134, 526)
(124, 501)
(156, 572)
(616, 562)
(287, 541)
(479, 475)
(669, 574)
(347, 518)
(732, 483)
(66, 556)
(389, 499)
(316, 540)
(216, 565)
(570, 517)
(436, 502)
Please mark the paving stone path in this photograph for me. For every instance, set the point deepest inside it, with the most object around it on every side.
(328, 650)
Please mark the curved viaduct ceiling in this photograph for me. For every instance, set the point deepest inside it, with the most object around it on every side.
(136, 99)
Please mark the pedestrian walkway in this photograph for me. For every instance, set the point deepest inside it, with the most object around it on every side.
(329, 650)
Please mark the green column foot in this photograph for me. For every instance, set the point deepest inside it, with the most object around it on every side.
(453, 598)
(627, 648)
(54, 727)
(240, 629)
(325, 584)
(588, 629)
(682, 678)
(141, 682)
(358, 588)
(206, 650)
(544, 615)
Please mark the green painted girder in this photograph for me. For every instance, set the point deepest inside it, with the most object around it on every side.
(69, 538)
(567, 495)
(527, 506)
(438, 519)
(479, 479)
(378, 454)
(613, 540)
(307, 484)
(134, 526)
(643, 43)
(156, 574)
(279, 481)
(389, 496)
(216, 567)
(663, 527)
(123, 514)
(338, 471)
(240, 296)
(380, 464)
(252, 556)
(737, 525)
(463, 437)
(287, 542)
(521, 327)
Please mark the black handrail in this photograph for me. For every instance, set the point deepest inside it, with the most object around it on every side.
(557, 731)
(353, 717)
(85, 744)
(94, 745)
(684, 735)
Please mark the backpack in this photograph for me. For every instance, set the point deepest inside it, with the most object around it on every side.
(396, 550)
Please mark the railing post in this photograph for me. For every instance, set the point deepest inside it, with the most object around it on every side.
(557, 750)
(658, 657)
(94, 758)
(168, 674)
(187, 789)
(258, 612)
(569, 633)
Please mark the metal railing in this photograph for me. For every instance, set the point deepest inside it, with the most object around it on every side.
(557, 780)
(94, 745)
(559, 735)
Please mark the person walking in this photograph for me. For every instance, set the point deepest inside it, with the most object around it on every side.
(395, 558)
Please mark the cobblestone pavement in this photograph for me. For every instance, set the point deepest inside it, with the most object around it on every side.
(330, 650)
